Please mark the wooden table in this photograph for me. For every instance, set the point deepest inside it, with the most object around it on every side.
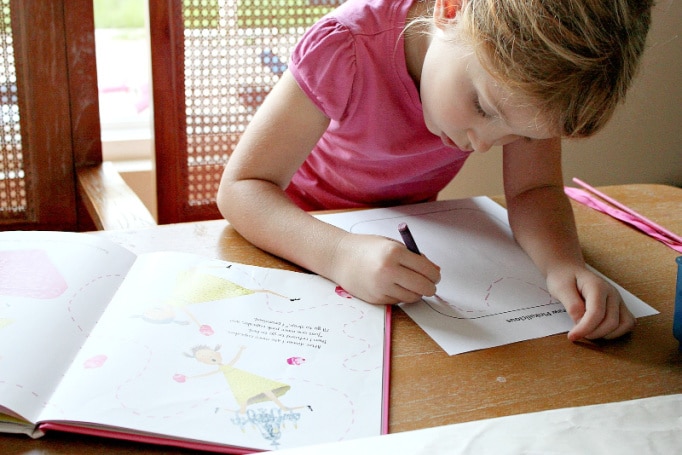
(430, 388)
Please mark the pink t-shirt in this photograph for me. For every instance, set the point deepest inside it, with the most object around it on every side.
(377, 150)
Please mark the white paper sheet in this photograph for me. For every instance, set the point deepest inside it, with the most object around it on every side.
(650, 426)
(490, 293)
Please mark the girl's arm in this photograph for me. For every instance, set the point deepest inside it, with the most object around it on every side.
(542, 220)
(251, 197)
(237, 356)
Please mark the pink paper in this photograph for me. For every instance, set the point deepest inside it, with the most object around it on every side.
(629, 217)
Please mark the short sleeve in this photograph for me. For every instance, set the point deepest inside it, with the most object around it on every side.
(324, 65)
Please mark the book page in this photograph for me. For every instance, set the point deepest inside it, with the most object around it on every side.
(226, 353)
(491, 293)
(53, 289)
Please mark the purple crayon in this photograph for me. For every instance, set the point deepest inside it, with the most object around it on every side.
(408, 240)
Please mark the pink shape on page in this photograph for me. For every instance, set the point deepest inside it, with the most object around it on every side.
(30, 273)
(342, 292)
(95, 361)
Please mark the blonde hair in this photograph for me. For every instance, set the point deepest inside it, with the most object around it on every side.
(576, 58)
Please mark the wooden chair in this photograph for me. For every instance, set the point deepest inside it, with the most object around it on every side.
(212, 65)
(51, 171)
(109, 201)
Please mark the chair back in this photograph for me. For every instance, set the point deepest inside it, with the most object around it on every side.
(49, 112)
(213, 63)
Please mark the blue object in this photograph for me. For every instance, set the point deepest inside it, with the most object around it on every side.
(677, 317)
(272, 61)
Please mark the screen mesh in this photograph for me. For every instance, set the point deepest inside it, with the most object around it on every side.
(13, 200)
(234, 52)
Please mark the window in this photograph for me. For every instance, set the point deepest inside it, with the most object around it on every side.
(12, 182)
(123, 72)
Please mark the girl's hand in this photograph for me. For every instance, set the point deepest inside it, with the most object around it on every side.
(594, 305)
(382, 271)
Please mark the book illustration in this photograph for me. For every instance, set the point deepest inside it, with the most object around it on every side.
(272, 423)
(77, 304)
(308, 349)
(39, 279)
(72, 306)
(253, 404)
(35, 269)
(117, 328)
(96, 361)
(196, 286)
(248, 389)
(30, 273)
(200, 286)
(295, 360)
(53, 288)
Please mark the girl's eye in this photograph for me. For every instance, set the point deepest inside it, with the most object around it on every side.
(479, 109)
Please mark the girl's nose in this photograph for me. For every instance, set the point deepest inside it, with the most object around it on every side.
(478, 144)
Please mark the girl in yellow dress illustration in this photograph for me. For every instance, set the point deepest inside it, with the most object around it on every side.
(195, 286)
(247, 388)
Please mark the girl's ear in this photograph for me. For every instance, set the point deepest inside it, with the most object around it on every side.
(445, 11)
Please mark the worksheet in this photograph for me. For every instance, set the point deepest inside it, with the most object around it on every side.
(490, 293)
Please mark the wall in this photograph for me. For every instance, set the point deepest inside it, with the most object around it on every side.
(641, 144)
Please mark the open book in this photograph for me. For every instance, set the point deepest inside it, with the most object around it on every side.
(179, 349)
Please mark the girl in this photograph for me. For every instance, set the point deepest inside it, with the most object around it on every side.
(383, 102)
(247, 388)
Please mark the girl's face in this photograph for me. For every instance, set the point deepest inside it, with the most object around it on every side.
(466, 107)
(160, 313)
(208, 356)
